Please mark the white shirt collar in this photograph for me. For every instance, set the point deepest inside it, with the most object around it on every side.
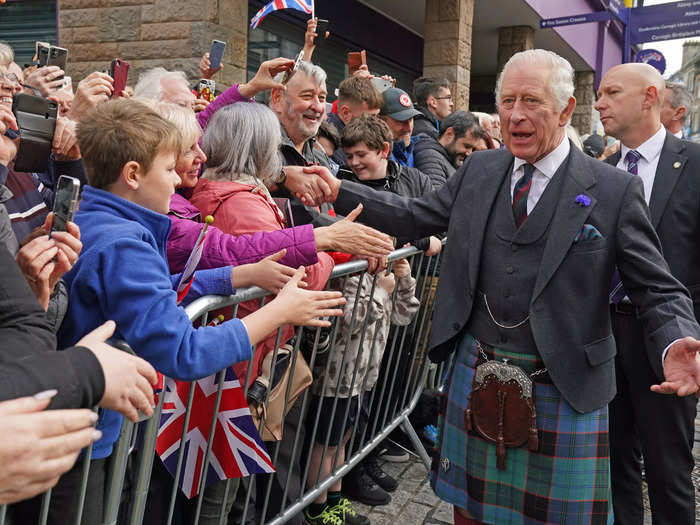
(678, 134)
(549, 164)
(651, 148)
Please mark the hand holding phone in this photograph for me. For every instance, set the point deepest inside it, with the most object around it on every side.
(119, 71)
(356, 60)
(216, 53)
(36, 120)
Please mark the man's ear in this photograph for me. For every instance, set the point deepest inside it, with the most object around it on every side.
(448, 136)
(566, 113)
(679, 113)
(131, 174)
(651, 98)
(275, 97)
(431, 102)
(344, 113)
(385, 150)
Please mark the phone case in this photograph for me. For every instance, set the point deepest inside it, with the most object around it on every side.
(57, 57)
(36, 119)
(356, 59)
(119, 71)
(216, 53)
(206, 89)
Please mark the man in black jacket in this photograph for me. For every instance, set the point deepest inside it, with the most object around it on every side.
(434, 102)
(661, 427)
(439, 158)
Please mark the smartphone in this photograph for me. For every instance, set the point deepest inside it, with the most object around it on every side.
(382, 84)
(36, 120)
(119, 71)
(65, 202)
(41, 51)
(216, 53)
(57, 57)
(297, 62)
(206, 89)
(322, 30)
(356, 59)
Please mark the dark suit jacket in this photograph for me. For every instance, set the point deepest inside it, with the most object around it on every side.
(569, 307)
(675, 210)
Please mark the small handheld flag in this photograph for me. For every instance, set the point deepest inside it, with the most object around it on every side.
(187, 276)
(305, 6)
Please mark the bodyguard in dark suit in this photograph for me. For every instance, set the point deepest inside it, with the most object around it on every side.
(661, 427)
(534, 235)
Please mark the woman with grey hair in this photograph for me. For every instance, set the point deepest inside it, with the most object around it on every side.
(241, 144)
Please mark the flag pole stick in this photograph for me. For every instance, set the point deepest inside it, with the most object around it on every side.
(313, 9)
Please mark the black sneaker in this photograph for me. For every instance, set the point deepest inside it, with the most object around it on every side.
(345, 510)
(388, 451)
(363, 489)
(380, 477)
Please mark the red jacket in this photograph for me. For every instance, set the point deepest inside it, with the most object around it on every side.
(244, 208)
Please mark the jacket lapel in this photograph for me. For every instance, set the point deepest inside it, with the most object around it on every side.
(671, 164)
(568, 218)
(482, 202)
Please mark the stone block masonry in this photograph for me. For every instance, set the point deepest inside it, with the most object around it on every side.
(147, 33)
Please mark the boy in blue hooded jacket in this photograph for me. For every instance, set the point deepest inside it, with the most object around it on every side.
(122, 274)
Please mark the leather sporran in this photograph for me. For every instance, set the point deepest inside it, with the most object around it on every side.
(276, 408)
(501, 408)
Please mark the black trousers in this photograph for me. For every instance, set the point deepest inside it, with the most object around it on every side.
(65, 497)
(658, 427)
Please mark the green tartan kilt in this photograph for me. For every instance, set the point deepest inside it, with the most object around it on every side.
(566, 482)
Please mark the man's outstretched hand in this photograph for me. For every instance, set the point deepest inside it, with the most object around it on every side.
(328, 186)
(681, 369)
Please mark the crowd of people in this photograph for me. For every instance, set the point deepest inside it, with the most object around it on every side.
(540, 222)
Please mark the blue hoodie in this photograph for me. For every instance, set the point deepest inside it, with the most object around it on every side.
(122, 274)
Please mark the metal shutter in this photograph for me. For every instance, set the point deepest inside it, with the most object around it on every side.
(24, 22)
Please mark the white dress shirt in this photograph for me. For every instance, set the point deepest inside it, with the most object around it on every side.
(545, 168)
(650, 150)
(678, 134)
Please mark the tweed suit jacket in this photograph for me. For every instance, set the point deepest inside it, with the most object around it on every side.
(569, 314)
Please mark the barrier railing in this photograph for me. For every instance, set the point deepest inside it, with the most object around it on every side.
(276, 498)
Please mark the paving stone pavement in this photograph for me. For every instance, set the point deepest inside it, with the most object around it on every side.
(414, 502)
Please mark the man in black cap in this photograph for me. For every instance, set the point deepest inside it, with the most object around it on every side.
(594, 146)
(398, 112)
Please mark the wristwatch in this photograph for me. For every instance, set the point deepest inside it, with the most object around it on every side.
(282, 177)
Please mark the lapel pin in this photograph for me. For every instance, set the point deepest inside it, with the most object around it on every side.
(676, 164)
(583, 200)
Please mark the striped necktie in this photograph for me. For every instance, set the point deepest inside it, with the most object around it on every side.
(617, 292)
(520, 193)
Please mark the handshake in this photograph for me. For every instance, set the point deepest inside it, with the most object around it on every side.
(313, 185)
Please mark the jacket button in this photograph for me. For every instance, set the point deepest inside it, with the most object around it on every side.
(509, 269)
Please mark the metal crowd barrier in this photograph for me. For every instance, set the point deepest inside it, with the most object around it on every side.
(404, 373)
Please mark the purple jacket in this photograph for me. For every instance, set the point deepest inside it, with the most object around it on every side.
(221, 249)
(228, 97)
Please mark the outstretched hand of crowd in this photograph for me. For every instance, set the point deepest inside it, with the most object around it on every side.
(349, 236)
(681, 369)
(264, 79)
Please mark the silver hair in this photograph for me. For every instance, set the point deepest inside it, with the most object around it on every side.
(7, 54)
(561, 80)
(681, 97)
(184, 120)
(308, 69)
(243, 139)
(150, 84)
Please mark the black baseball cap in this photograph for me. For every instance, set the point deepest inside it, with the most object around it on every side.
(397, 104)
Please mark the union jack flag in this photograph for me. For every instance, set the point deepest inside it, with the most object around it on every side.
(305, 6)
(237, 449)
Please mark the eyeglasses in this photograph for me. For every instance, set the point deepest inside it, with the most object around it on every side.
(10, 77)
(446, 97)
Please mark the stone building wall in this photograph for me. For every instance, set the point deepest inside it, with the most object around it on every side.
(584, 92)
(447, 45)
(170, 33)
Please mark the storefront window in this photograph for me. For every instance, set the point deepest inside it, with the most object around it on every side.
(24, 22)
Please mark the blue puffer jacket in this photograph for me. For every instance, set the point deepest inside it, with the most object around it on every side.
(122, 274)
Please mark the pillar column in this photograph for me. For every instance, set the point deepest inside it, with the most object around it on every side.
(447, 45)
(513, 39)
(584, 92)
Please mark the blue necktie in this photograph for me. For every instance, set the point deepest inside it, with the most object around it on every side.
(520, 193)
(617, 292)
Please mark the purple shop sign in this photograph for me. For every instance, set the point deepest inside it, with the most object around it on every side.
(665, 22)
(598, 16)
(653, 58)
